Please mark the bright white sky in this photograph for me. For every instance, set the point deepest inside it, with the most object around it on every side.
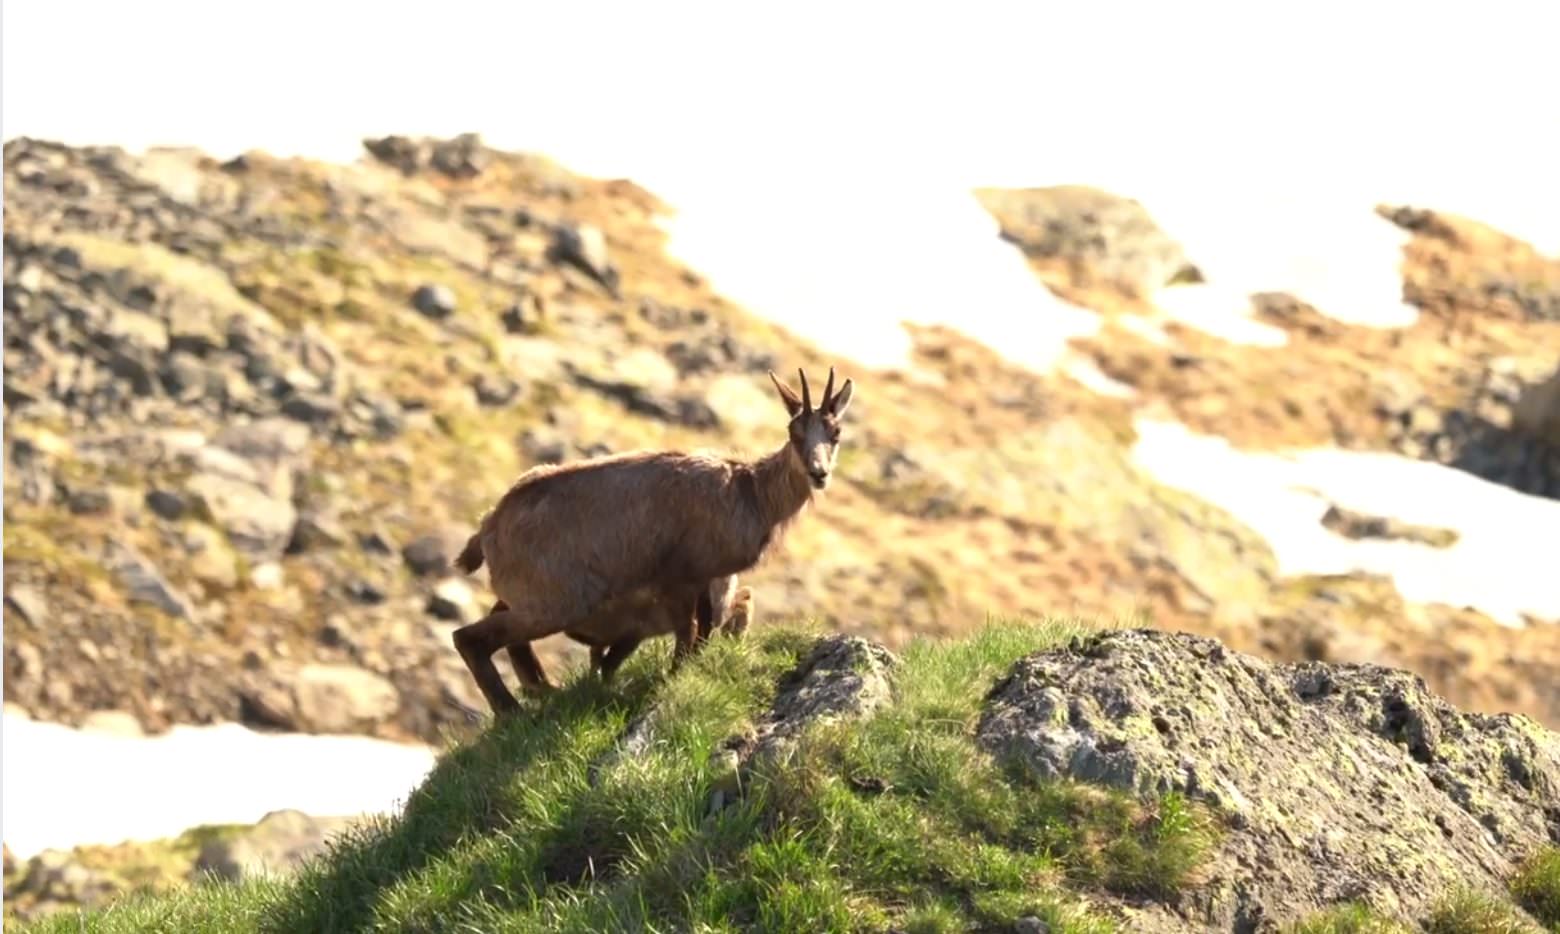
(1392, 99)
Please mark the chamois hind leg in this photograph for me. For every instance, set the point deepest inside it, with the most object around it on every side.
(524, 660)
(477, 642)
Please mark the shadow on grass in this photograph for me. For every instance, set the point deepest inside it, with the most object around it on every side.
(470, 793)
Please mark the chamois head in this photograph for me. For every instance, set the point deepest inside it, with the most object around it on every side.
(815, 432)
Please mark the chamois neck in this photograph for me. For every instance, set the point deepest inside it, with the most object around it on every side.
(782, 485)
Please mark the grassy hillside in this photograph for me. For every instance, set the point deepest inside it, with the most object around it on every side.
(619, 809)
(895, 822)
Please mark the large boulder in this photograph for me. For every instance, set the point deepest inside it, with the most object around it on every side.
(1335, 782)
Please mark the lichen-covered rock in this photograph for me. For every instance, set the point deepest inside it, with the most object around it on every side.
(842, 677)
(1336, 782)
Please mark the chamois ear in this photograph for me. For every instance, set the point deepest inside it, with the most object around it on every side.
(840, 401)
(793, 403)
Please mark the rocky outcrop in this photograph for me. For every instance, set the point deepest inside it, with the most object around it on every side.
(1334, 782)
(1098, 237)
(841, 678)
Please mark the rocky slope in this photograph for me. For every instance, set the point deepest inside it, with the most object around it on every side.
(250, 406)
(1029, 778)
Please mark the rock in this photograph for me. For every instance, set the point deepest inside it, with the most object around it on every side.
(1101, 237)
(257, 523)
(453, 600)
(112, 722)
(843, 677)
(366, 592)
(1324, 774)
(1030, 924)
(434, 301)
(55, 878)
(311, 408)
(1357, 525)
(212, 561)
(1536, 413)
(427, 555)
(267, 442)
(585, 248)
(315, 531)
(320, 698)
(495, 390)
(167, 504)
(146, 584)
(276, 846)
(267, 576)
(93, 502)
(377, 542)
(463, 156)
(28, 603)
(524, 315)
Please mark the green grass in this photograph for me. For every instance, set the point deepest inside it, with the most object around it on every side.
(1473, 912)
(1537, 886)
(1348, 919)
(897, 821)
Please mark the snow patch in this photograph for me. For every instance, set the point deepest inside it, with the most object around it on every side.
(1497, 566)
(66, 787)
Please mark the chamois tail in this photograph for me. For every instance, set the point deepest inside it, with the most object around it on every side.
(470, 557)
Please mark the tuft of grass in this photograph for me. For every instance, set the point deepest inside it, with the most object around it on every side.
(540, 823)
(1536, 886)
(1468, 911)
(1350, 918)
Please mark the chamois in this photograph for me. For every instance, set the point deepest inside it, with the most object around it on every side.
(615, 631)
(567, 539)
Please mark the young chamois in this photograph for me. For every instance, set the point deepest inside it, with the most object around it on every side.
(567, 540)
(617, 629)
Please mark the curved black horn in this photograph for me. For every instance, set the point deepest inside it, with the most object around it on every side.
(828, 390)
(806, 395)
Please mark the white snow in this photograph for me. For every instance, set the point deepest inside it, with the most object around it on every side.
(1499, 565)
(65, 787)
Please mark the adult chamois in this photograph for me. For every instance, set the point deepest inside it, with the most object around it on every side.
(569, 539)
